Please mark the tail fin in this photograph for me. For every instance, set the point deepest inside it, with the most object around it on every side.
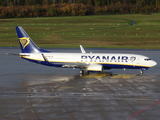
(26, 43)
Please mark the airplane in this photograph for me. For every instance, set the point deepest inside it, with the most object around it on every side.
(86, 62)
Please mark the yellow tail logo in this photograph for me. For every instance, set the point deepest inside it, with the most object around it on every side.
(24, 41)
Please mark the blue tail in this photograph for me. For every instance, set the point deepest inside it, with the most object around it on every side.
(26, 43)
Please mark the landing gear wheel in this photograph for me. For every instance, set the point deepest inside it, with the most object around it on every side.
(83, 72)
(141, 72)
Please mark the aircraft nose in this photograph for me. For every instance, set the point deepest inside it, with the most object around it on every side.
(153, 63)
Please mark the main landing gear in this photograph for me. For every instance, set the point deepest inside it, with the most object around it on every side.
(83, 72)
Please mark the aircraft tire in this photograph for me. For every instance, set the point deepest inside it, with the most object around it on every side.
(141, 72)
(83, 73)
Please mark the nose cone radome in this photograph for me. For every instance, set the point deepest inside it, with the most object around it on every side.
(153, 63)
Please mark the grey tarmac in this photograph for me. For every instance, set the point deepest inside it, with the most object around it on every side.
(30, 91)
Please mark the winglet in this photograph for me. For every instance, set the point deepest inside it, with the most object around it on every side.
(82, 49)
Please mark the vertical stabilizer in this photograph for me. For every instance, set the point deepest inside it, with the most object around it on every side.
(26, 43)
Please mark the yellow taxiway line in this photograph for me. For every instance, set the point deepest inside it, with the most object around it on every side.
(123, 76)
(96, 75)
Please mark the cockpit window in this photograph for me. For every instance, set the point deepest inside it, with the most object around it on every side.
(147, 59)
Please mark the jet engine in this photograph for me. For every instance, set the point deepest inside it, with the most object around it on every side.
(95, 68)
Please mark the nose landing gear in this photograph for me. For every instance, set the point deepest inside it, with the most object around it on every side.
(142, 71)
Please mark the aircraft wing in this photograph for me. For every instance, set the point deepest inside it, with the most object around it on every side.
(73, 65)
(88, 67)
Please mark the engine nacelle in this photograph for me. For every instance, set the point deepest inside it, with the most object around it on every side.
(95, 68)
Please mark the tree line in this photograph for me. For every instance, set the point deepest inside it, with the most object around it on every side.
(50, 8)
(89, 2)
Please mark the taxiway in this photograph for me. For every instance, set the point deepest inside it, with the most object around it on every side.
(30, 91)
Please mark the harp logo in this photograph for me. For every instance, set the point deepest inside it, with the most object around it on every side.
(24, 41)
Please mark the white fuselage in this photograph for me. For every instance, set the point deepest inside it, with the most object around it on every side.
(107, 60)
